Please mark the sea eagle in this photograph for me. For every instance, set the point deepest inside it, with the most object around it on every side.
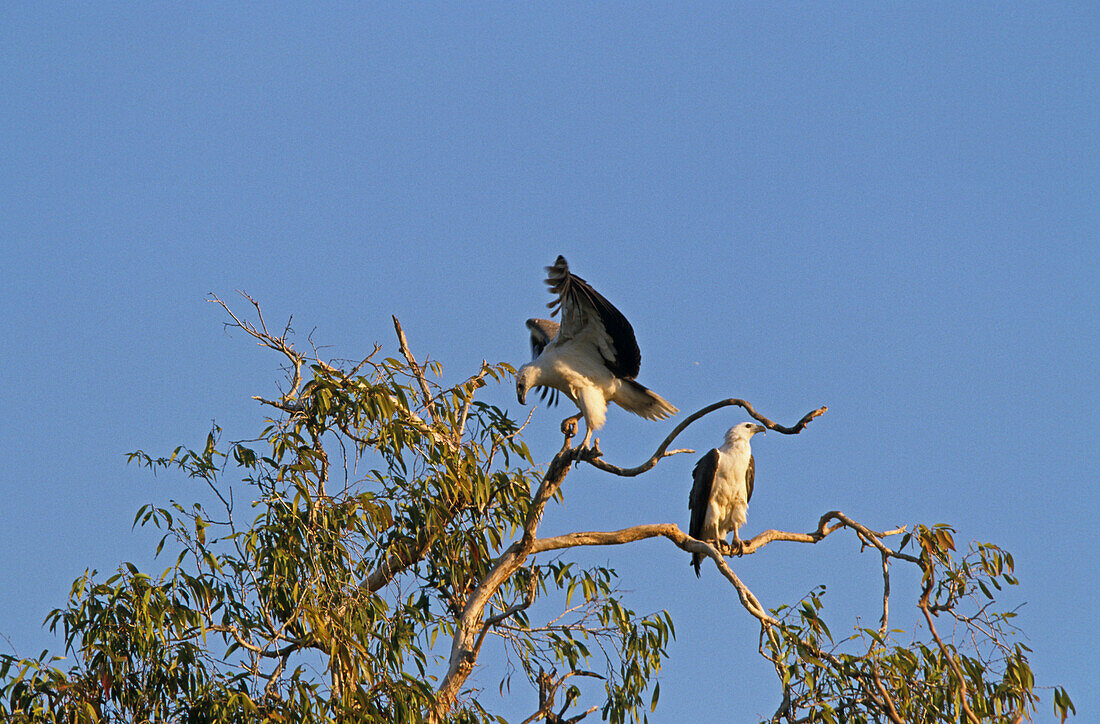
(722, 490)
(592, 357)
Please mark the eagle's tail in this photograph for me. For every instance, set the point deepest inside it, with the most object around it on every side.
(642, 401)
(696, 559)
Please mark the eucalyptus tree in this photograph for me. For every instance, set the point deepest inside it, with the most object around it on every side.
(350, 561)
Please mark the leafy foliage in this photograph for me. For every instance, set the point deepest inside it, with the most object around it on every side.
(323, 596)
(872, 675)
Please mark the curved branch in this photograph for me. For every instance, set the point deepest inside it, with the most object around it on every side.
(266, 339)
(964, 693)
(685, 542)
(823, 529)
(663, 451)
(469, 626)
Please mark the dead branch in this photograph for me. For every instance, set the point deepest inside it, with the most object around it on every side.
(469, 387)
(266, 339)
(548, 688)
(418, 371)
(885, 595)
(663, 451)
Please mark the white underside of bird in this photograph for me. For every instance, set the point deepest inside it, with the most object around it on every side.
(591, 386)
(722, 485)
(728, 507)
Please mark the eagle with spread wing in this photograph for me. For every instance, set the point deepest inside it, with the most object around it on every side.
(592, 357)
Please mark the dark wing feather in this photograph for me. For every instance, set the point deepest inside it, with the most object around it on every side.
(699, 498)
(750, 474)
(543, 332)
(579, 303)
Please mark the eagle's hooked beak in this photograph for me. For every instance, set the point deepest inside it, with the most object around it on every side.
(521, 393)
(761, 429)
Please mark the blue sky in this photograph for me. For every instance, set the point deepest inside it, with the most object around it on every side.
(890, 209)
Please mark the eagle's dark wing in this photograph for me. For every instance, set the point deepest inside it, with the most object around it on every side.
(750, 474)
(543, 331)
(703, 477)
(586, 315)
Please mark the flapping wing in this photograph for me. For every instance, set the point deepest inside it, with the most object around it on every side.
(585, 314)
(543, 332)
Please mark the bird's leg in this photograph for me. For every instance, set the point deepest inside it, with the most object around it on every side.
(587, 428)
(738, 546)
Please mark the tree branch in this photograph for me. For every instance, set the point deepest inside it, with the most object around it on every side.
(469, 386)
(887, 703)
(548, 689)
(469, 625)
(266, 339)
(416, 368)
(663, 451)
(955, 668)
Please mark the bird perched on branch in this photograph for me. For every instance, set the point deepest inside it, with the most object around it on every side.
(592, 357)
(720, 495)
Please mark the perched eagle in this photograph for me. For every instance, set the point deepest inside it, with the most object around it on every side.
(592, 357)
(720, 496)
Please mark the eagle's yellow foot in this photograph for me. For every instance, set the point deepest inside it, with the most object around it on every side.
(569, 425)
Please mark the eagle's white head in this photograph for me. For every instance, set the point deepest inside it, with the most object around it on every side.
(744, 432)
(526, 378)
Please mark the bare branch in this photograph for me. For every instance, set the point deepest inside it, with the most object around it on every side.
(266, 339)
(416, 368)
(469, 387)
(662, 449)
(548, 688)
(674, 534)
(885, 595)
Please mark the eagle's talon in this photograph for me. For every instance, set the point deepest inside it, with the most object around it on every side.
(569, 426)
